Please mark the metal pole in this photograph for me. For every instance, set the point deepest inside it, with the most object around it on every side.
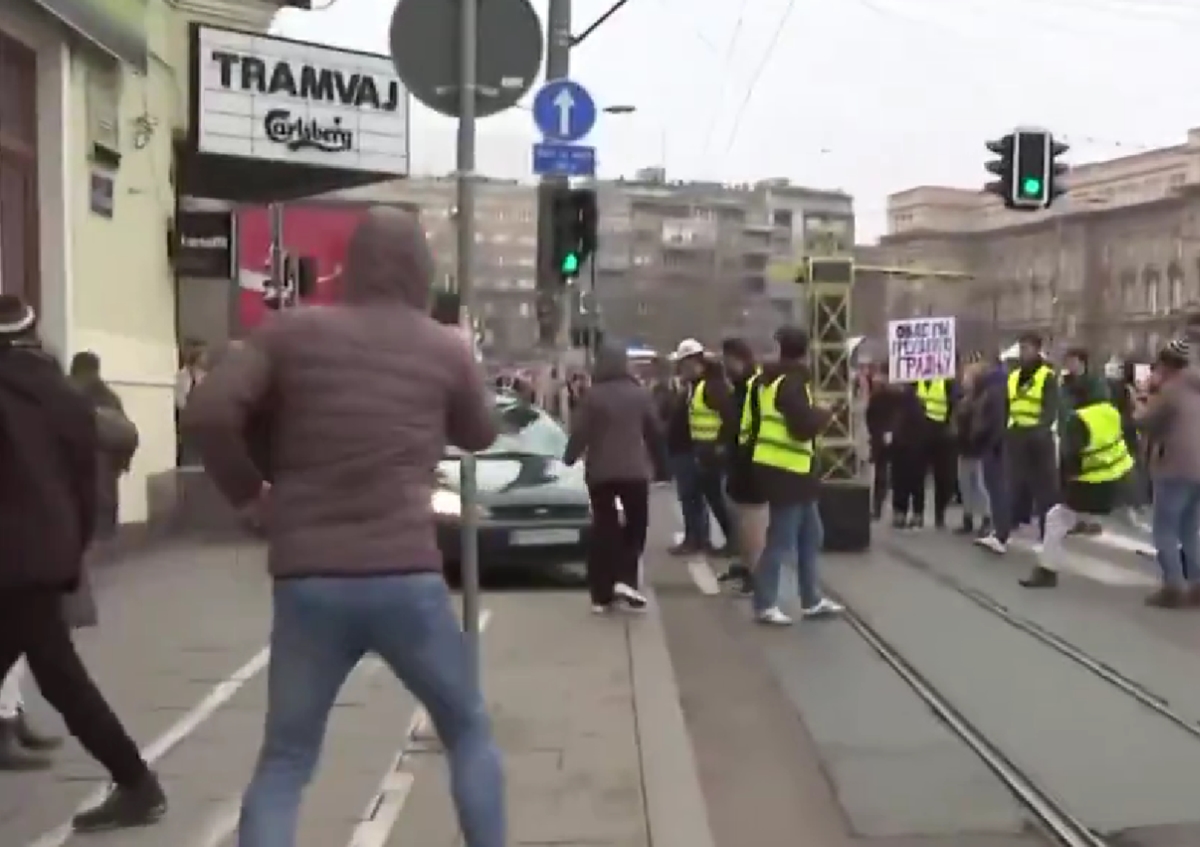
(558, 61)
(275, 217)
(468, 54)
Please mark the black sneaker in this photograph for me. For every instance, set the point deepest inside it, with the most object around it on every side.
(745, 587)
(124, 807)
(687, 548)
(967, 527)
(31, 738)
(733, 573)
(724, 551)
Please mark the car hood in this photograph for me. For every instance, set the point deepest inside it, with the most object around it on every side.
(516, 478)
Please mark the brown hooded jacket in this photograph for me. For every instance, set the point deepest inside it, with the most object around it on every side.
(360, 400)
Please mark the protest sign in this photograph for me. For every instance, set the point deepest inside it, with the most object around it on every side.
(920, 348)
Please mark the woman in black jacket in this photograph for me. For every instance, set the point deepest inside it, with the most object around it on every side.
(880, 415)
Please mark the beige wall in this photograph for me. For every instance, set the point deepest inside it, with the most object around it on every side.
(123, 304)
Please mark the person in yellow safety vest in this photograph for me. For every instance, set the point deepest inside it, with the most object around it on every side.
(784, 468)
(938, 398)
(707, 405)
(1096, 463)
(749, 507)
(1031, 460)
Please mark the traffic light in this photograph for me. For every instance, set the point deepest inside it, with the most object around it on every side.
(1031, 179)
(1002, 167)
(574, 220)
(1028, 170)
(1058, 170)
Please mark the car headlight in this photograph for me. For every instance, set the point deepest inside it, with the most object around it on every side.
(448, 504)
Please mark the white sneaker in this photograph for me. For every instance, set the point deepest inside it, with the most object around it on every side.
(823, 608)
(992, 543)
(630, 597)
(1036, 549)
(597, 609)
(773, 616)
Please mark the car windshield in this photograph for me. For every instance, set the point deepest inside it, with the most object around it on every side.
(525, 430)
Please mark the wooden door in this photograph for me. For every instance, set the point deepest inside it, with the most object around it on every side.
(20, 271)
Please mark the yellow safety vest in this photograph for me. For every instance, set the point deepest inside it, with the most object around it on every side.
(746, 428)
(775, 447)
(704, 423)
(1106, 457)
(1025, 404)
(932, 394)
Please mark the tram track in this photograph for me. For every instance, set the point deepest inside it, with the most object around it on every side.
(1130, 687)
(1051, 818)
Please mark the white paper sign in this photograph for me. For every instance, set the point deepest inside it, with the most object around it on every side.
(921, 348)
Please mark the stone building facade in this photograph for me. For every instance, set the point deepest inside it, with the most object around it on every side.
(1113, 265)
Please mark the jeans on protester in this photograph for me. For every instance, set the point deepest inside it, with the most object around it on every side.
(1176, 530)
(793, 529)
(321, 628)
(972, 488)
(995, 480)
(710, 479)
(686, 473)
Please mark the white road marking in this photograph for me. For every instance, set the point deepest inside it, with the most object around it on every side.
(386, 804)
(382, 813)
(220, 694)
(1095, 569)
(702, 574)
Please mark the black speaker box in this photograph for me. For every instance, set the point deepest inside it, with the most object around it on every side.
(846, 514)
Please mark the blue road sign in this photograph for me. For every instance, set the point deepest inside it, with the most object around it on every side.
(564, 160)
(564, 111)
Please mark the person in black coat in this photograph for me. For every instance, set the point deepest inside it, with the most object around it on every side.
(48, 492)
(882, 407)
(906, 457)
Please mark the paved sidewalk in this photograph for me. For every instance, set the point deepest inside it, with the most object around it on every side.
(587, 713)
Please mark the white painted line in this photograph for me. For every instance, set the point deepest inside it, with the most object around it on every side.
(1095, 569)
(702, 574)
(220, 694)
(1124, 543)
(385, 808)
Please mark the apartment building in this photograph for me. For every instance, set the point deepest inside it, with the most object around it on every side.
(690, 259)
(505, 266)
(1113, 265)
(675, 260)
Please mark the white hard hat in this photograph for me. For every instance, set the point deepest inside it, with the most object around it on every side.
(687, 348)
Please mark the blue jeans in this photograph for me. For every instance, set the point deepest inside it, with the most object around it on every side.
(1176, 528)
(792, 529)
(321, 629)
(685, 470)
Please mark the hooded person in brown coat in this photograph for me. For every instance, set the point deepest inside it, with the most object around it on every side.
(358, 402)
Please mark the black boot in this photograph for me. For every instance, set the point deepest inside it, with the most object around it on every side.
(967, 527)
(31, 739)
(1040, 578)
(125, 806)
(13, 755)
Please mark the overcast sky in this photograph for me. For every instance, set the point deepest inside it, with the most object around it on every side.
(870, 96)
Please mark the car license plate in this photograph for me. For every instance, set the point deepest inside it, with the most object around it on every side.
(544, 537)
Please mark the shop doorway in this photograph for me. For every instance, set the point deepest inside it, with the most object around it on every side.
(20, 271)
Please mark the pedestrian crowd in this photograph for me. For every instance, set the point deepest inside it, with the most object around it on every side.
(1063, 449)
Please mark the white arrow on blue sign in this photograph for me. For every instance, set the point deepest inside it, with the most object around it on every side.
(564, 111)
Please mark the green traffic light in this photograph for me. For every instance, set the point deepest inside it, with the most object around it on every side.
(1031, 187)
(570, 264)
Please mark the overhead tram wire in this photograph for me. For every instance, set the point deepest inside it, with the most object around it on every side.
(768, 54)
(725, 65)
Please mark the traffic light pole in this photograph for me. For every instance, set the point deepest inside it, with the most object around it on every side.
(468, 494)
(558, 66)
